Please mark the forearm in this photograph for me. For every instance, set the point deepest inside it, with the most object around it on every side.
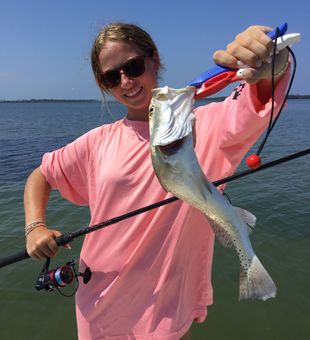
(36, 196)
(40, 240)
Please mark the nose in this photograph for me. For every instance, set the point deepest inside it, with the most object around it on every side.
(125, 80)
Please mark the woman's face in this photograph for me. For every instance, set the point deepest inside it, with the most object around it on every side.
(133, 92)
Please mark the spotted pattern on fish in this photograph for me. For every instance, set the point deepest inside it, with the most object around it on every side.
(178, 171)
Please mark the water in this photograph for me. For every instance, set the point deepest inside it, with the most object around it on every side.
(279, 197)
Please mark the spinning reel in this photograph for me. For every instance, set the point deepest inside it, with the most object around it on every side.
(51, 279)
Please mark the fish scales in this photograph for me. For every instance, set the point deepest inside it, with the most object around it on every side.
(178, 171)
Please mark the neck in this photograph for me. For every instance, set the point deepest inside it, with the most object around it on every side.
(142, 116)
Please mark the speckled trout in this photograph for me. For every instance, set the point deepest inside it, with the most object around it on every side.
(177, 168)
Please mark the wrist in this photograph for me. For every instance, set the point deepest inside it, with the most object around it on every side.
(282, 62)
(34, 225)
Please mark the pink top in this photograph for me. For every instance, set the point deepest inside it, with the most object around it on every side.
(151, 273)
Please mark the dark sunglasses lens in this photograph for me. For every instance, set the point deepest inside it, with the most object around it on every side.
(111, 79)
(134, 67)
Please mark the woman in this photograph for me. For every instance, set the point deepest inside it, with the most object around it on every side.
(152, 273)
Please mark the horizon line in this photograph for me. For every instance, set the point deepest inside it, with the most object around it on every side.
(290, 96)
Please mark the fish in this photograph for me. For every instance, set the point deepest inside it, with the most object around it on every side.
(171, 122)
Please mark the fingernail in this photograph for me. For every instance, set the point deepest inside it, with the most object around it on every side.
(259, 63)
(268, 60)
(241, 64)
(67, 246)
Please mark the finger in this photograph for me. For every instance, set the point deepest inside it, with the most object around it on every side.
(41, 243)
(51, 248)
(263, 28)
(67, 246)
(221, 57)
(252, 51)
(38, 254)
(42, 252)
(259, 32)
(57, 234)
(250, 75)
(253, 75)
(244, 54)
(252, 45)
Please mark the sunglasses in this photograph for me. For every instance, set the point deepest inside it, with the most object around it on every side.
(134, 67)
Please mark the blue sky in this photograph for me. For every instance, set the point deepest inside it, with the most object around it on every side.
(45, 44)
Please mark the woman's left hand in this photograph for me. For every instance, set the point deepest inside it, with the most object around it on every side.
(252, 51)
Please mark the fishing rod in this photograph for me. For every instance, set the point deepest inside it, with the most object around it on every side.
(69, 237)
(51, 279)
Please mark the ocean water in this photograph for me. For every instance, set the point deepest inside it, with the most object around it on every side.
(279, 197)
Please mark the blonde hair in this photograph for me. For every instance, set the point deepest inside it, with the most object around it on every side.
(121, 32)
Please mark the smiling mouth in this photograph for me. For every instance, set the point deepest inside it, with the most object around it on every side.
(133, 93)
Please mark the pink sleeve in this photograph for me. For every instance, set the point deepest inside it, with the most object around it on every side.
(66, 169)
(231, 127)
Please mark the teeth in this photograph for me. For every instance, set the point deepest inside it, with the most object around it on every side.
(132, 93)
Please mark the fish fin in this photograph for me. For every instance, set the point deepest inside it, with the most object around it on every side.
(221, 235)
(256, 283)
(247, 218)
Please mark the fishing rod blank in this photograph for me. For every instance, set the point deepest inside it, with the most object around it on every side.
(67, 238)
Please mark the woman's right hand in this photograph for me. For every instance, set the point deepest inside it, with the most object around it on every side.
(40, 243)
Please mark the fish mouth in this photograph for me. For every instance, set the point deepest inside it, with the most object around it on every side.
(171, 148)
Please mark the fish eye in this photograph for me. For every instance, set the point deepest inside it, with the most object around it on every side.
(152, 109)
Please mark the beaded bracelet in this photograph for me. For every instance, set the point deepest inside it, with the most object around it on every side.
(33, 225)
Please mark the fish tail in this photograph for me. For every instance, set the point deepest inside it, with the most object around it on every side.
(256, 283)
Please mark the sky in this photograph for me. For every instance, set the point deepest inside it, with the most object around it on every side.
(45, 44)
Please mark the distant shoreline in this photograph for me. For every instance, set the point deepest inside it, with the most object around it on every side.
(292, 96)
(51, 101)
